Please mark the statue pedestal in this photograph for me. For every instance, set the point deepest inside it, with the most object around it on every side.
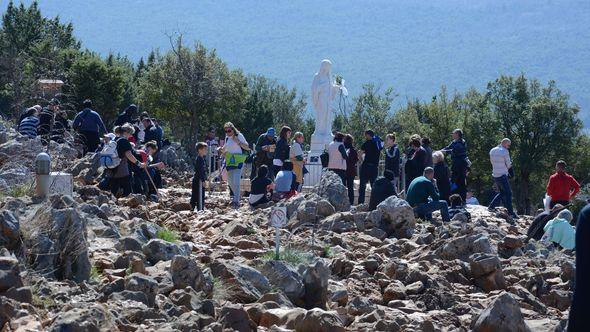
(319, 143)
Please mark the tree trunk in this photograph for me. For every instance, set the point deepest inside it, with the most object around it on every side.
(523, 198)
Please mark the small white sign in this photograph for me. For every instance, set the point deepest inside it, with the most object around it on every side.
(278, 216)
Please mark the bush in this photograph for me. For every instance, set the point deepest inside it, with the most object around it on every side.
(167, 235)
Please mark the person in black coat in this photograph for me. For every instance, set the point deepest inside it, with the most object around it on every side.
(441, 174)
(127, 116)
(579, 320)
(382, 189)
(198, 185)
(416, 160)
(282, 149)
(46, 120)
(392, 157)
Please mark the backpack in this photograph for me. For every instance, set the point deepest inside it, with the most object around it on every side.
(379, 142)
(109, 158)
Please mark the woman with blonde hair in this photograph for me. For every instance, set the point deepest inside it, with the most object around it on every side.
(441, 174)
(297, 159)
(235, 150)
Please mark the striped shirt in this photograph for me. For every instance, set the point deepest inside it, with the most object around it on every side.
(28, 126)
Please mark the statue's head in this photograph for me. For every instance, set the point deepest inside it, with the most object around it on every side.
(325, 67)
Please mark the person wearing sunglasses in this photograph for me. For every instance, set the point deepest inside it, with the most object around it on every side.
(236, 151)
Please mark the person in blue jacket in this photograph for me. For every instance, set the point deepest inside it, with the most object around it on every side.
(89, 126)
(460, 162)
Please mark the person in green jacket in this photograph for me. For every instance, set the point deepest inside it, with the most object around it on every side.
(423, 196)
(560, 231)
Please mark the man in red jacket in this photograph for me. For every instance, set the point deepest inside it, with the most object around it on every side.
(562, 187)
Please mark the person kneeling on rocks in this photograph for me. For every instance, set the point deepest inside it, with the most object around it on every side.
(198, 185)
(457, 207)
(260, 187)
(423, 196)
(284, 183)
(559, 231)
(384, 187)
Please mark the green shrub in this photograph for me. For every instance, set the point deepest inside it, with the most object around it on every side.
(167, 235)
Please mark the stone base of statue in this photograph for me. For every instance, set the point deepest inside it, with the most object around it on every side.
(319, 143)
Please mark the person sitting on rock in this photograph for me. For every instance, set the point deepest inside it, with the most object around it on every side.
(121, 179)
(284, 182)
(560, 232)
(457, 207)
(535, 230)
(260, 187)
(384, 187)
(424, 198)
(199, 179)
(28, 126)
(579, 320)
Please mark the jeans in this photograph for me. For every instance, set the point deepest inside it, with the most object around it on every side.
(350, 186)
(198, 194)
(91, 140)
(459, 177)
(426, 209)
(504, 194)
(233, 180)
(368, 175)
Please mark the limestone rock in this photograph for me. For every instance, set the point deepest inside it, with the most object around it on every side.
(487, 271)
(318, 320)
(159, 250)
(93, 318)
(234, 317)
(286, 279)
(315, 282)
(397, 217)
(331, 188)
(503, 314)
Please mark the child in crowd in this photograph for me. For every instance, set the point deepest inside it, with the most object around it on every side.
(457, 207)
(284, 183)
(260, 187)
(198, 186)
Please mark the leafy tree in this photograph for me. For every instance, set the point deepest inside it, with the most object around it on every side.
(31, 47)
(101, 81)
(542, 125)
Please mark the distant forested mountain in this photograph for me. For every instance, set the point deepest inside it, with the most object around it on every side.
(413, 46)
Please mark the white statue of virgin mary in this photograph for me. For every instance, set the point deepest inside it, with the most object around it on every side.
(323, 92)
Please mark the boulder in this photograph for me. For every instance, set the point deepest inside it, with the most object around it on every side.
(159, 250)
(315, 282)
(90, 318)
(9, 230)
(244, 283)
(487, 272)
(57, 241)
(503, 314)
(9, 274)
(141, 283)
(192, 321)
(187, 273)
(318, 320)
(397, 217)
(394, 291)
(286, 279)
(464, 246)
(235, 318)
(331, 188)
(287, 317)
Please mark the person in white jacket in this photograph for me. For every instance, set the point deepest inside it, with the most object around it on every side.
(501, 168)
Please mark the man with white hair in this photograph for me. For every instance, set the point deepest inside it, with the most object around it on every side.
(501, 169)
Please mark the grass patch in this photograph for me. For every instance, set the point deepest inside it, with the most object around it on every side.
(327, 251)
(95, 273)
(19, 190)
(291, 256)
(43, 301)
(167, 235)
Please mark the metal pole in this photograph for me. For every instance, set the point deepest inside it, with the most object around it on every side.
(277, 242)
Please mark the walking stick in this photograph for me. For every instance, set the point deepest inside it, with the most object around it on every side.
(154, 185)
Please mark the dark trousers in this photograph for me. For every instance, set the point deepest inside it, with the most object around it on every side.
(350, 187)
(121, 184)
(424, 210)
(459, 177)
(341, 173)
(90, 139)
(368, 175)
(553, 203)
(198, 195)
(505, 194)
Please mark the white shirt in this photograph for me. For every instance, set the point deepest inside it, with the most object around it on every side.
(231, 146)
(296, 150)
(500, 159)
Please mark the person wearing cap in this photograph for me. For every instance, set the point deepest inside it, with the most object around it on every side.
(560, 232)
(89, 125)
(562, 187)
(46, 119)
(265, 148)
(424, 198)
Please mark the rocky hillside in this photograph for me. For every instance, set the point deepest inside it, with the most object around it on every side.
(92, 262)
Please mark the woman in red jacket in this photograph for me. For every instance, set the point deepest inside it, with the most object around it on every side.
(562, 187)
